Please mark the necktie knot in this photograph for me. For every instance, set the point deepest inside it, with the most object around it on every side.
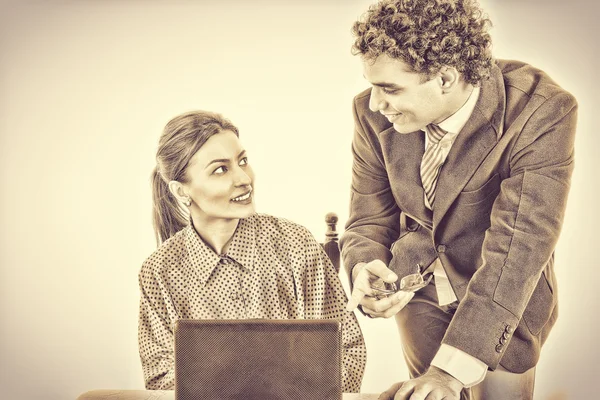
(434, 133)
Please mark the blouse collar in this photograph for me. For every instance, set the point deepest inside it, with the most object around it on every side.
(203, 259)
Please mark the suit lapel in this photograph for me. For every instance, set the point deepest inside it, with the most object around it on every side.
(472, 145)
(404, 152)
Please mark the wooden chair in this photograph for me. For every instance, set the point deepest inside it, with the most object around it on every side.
(331, 245)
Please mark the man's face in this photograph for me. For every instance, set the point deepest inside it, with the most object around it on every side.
(409, 102)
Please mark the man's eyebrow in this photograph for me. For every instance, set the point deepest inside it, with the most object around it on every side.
(385, 84)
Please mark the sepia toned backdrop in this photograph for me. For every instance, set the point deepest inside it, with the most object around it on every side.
(85, 89)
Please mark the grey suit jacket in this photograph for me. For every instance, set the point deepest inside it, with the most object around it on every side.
(499, 207)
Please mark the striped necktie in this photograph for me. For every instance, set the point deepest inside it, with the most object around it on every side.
(432, 161)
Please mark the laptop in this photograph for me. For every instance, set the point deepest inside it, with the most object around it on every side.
(258, 359)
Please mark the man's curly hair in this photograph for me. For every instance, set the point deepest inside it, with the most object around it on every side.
(426, 35)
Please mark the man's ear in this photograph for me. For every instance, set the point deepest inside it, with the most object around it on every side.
(178, 191)
(448, 79)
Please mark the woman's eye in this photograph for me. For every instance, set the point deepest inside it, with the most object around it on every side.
(221, 170)
(244, 161)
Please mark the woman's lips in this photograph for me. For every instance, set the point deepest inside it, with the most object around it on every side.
(245, 198)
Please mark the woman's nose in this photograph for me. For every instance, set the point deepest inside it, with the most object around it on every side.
(243, 176)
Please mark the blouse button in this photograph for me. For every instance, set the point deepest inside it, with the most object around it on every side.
(224, 259)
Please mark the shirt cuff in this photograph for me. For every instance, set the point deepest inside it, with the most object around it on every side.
(464, 367)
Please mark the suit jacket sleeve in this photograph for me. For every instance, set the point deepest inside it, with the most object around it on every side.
(526, 219)
(373, 223)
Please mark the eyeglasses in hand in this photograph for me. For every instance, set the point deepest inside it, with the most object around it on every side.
(410, 283)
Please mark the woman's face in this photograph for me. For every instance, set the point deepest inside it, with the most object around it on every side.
(220, 180)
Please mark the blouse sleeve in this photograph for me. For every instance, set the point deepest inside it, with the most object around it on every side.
(155, 333)
(324, 297)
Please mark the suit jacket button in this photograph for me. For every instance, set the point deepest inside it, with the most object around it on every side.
(502, 340)
(509, 329)
(499, 348)
(441, 248)
(506, 335)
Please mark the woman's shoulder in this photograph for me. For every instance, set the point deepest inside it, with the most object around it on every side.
(266, 222)
(282, 230)
(169, 253)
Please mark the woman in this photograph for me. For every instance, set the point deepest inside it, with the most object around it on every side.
(218, 259)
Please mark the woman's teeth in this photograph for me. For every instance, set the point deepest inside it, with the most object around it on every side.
(243, 197)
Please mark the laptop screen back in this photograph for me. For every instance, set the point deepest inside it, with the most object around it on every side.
(258, 359)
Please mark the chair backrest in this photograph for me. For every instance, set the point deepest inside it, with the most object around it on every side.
(330, 245)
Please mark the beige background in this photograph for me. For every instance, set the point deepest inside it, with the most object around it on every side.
(85, 89)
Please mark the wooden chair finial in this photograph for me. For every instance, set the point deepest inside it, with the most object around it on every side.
(331, 220)
(331, 240)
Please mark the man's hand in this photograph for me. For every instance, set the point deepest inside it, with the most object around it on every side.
(365, 277)
(435, 384)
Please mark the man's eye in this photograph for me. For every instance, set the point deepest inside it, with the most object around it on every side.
(244, 161)
(390, 91)
(221, 170)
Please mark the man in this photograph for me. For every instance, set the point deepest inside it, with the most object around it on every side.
(461, 171)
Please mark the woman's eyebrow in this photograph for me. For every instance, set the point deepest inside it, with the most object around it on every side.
(224, 160)
(218, 160)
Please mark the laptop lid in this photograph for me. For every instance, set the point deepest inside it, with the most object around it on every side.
(258, 359)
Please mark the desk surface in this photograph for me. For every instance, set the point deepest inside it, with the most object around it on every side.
(170, 395)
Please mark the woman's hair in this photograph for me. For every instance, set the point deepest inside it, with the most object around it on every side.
(182, 137)
(427, 35)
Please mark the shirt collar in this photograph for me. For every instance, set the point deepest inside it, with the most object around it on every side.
(454, 123)
(241, 249)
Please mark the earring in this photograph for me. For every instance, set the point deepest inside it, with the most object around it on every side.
(187, 202)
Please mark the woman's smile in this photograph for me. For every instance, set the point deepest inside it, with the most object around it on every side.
(243, 199)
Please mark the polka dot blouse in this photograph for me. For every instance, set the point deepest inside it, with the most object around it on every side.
(267, 259)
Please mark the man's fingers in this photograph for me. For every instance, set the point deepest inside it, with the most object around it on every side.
(389, 394)
(405, 391)
(376, 306)
(380, 270)
(386, 307)
(362, 291)
(420, 394)
(399, 301)
(372, 313)
(361, 288)
(363, 279)
(355, 298)
(437, 394)
(401, 297)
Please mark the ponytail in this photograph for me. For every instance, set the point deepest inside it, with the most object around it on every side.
(168, 217)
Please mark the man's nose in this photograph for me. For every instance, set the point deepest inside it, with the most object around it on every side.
(376, 102)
